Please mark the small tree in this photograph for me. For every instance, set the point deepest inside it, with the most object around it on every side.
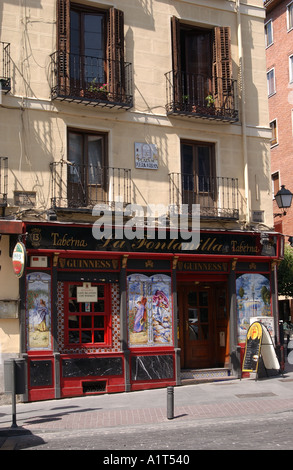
(285, 273)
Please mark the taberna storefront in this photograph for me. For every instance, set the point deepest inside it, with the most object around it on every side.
(106, 316)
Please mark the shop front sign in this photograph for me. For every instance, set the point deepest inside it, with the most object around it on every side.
(19, 259)
(81, 238)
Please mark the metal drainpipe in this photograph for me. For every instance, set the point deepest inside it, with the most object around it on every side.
(243, 115)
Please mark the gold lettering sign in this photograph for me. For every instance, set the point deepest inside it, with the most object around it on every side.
(81, 263)
(67, 241)
(194, 266)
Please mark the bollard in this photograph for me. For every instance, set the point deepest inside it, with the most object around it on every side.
(13, 394)
(170, 402)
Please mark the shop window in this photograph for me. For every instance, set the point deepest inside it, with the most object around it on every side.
(38, 311)
(88, 322)
(149, 310)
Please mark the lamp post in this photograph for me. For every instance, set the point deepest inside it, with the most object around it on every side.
(283, 199)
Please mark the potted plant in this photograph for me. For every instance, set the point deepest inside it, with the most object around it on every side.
(97, 91)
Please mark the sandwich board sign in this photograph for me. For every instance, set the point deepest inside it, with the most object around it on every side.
(259, 344)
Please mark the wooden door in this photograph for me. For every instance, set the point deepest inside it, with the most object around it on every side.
(196, 327)
(203, 325)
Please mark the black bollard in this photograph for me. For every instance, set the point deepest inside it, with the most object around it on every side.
(13, 394)
(170, 402)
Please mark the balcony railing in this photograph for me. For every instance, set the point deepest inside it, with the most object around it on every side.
(84, 186)
(5, 77)
(199, 96)
(3, 181)
(217, 196)
(83, 79)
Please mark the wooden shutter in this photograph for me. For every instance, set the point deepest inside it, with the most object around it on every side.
(222, 67)
(176, 61)
(115, 55)
(63, 45)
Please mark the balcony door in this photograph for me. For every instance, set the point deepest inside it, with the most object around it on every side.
(198, 175)
(90, 51)
(196, 61)
(87, 50)
(86, 178)
(202, 66)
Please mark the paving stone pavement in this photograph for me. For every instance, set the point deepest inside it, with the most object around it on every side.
(199, 401)
(222, 399)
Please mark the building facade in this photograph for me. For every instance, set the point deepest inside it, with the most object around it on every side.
(279, 56)
(137, 227)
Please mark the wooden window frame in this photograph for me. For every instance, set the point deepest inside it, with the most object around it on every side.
(275, 183)
(103, 185)
(221, 62)
(195, 144)
(114, 50)
(200, 186)
(91, 315)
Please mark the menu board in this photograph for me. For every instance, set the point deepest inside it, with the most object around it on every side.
(252, 348)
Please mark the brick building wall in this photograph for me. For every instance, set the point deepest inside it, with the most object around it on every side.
(281, 105)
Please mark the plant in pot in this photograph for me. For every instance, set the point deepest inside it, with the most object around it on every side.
(210, 103)
(97, 90)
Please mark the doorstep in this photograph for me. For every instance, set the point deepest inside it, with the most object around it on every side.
(192, 376)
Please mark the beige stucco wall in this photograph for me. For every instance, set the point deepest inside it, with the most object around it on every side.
(33, 132)
(33, 129)
(9, 322)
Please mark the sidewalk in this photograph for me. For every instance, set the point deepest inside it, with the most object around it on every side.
(225, 399)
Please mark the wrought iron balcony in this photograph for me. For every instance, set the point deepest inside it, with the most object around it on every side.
(83, 79)
(201, 97)
(5, 77)
(3, 181)
(84, 186)
(217, 196)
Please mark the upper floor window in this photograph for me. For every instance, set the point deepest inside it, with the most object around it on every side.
(291, 68)
(271, 82)
(290, 16)
(275, 183)
(86, 178)
(198, 172)
(274, 139)
(202, 64)
(90, 51)
(269, 33)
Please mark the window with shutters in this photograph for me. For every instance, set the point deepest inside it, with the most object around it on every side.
(89, 66)
(201, 81)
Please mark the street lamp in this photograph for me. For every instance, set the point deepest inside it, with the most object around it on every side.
(283, 199)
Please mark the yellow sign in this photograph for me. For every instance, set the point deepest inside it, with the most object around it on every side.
(252, 348)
